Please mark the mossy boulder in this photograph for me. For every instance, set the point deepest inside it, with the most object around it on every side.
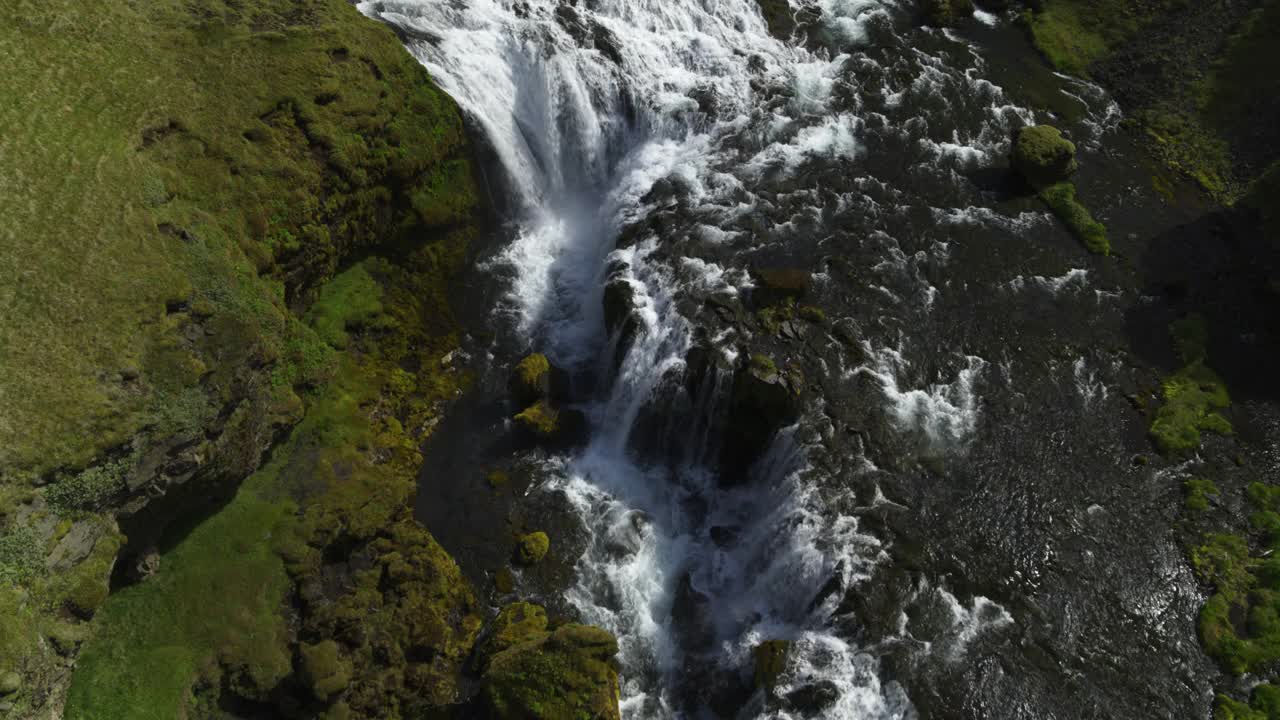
(10, 683)
(770, 659)
(542, 674)
(764, 399)
(323, 670)
(531, 380)
(1061, 199)
(947, 12)
(516, 623)
(544, 422)
(1042, 156)
(532, 547)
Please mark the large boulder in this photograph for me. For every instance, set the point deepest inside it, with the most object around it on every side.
(324, 671)
(773, 285)
(1042, 156)
(532, 379)
(532, 548)
(770, 659)
(544, 422)
(764, 400)
(619, 304)
(532, 672)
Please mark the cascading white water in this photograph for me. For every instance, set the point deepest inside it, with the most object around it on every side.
(587, 106)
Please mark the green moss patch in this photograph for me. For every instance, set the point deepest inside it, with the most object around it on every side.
(770, 658)
(1042, 156)
(350, 301)
(534, 672)
(531, 548)
(1193, 395)
(1061, 199)
(1264, 705)
(1199, 490)
(1240, 623)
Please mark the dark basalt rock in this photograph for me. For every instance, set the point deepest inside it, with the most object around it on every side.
(770, 659)
(764, 400)
(773, 285)
(619, 303)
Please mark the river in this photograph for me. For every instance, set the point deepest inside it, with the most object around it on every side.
(945, 527)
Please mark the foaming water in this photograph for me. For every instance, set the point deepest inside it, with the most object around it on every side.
(589, 109)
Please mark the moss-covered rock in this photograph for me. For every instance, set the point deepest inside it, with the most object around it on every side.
(544, 422)
(567, 673)
(1061, 199)
(1264, 705)
(323, 671)
(1042, 156)
(1199, 493)
(770, 659)
(531, 548)
(947, 12)
(531, 379)
(516, 623)
(1193, 396)
(10, 682)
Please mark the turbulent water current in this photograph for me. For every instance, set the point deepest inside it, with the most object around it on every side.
(909, 524)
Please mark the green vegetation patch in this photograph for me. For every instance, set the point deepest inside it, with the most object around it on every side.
(1193, 395)
(1199, 490)
(1240, 623)
(1061, 199)
(335, 498)
(534, 672)
(1264, 705)
(272, 137)
(531, 548)
(217, 597)
(349, 301)
(1074, 34)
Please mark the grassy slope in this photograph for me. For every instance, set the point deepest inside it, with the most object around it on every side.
(345, 476)
(147, 141)
(179, 176)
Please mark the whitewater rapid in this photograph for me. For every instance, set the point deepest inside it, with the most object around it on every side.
(588, 107)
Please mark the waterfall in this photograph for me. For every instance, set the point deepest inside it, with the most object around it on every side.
(592, 108)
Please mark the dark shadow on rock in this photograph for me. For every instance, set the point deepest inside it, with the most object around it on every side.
(1223, 267)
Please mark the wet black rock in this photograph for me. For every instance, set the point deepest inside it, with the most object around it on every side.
(764, 400)
(774, 285)
(619, 304)
(770, 659)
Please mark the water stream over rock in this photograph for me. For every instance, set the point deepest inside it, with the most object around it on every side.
(934, 515)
